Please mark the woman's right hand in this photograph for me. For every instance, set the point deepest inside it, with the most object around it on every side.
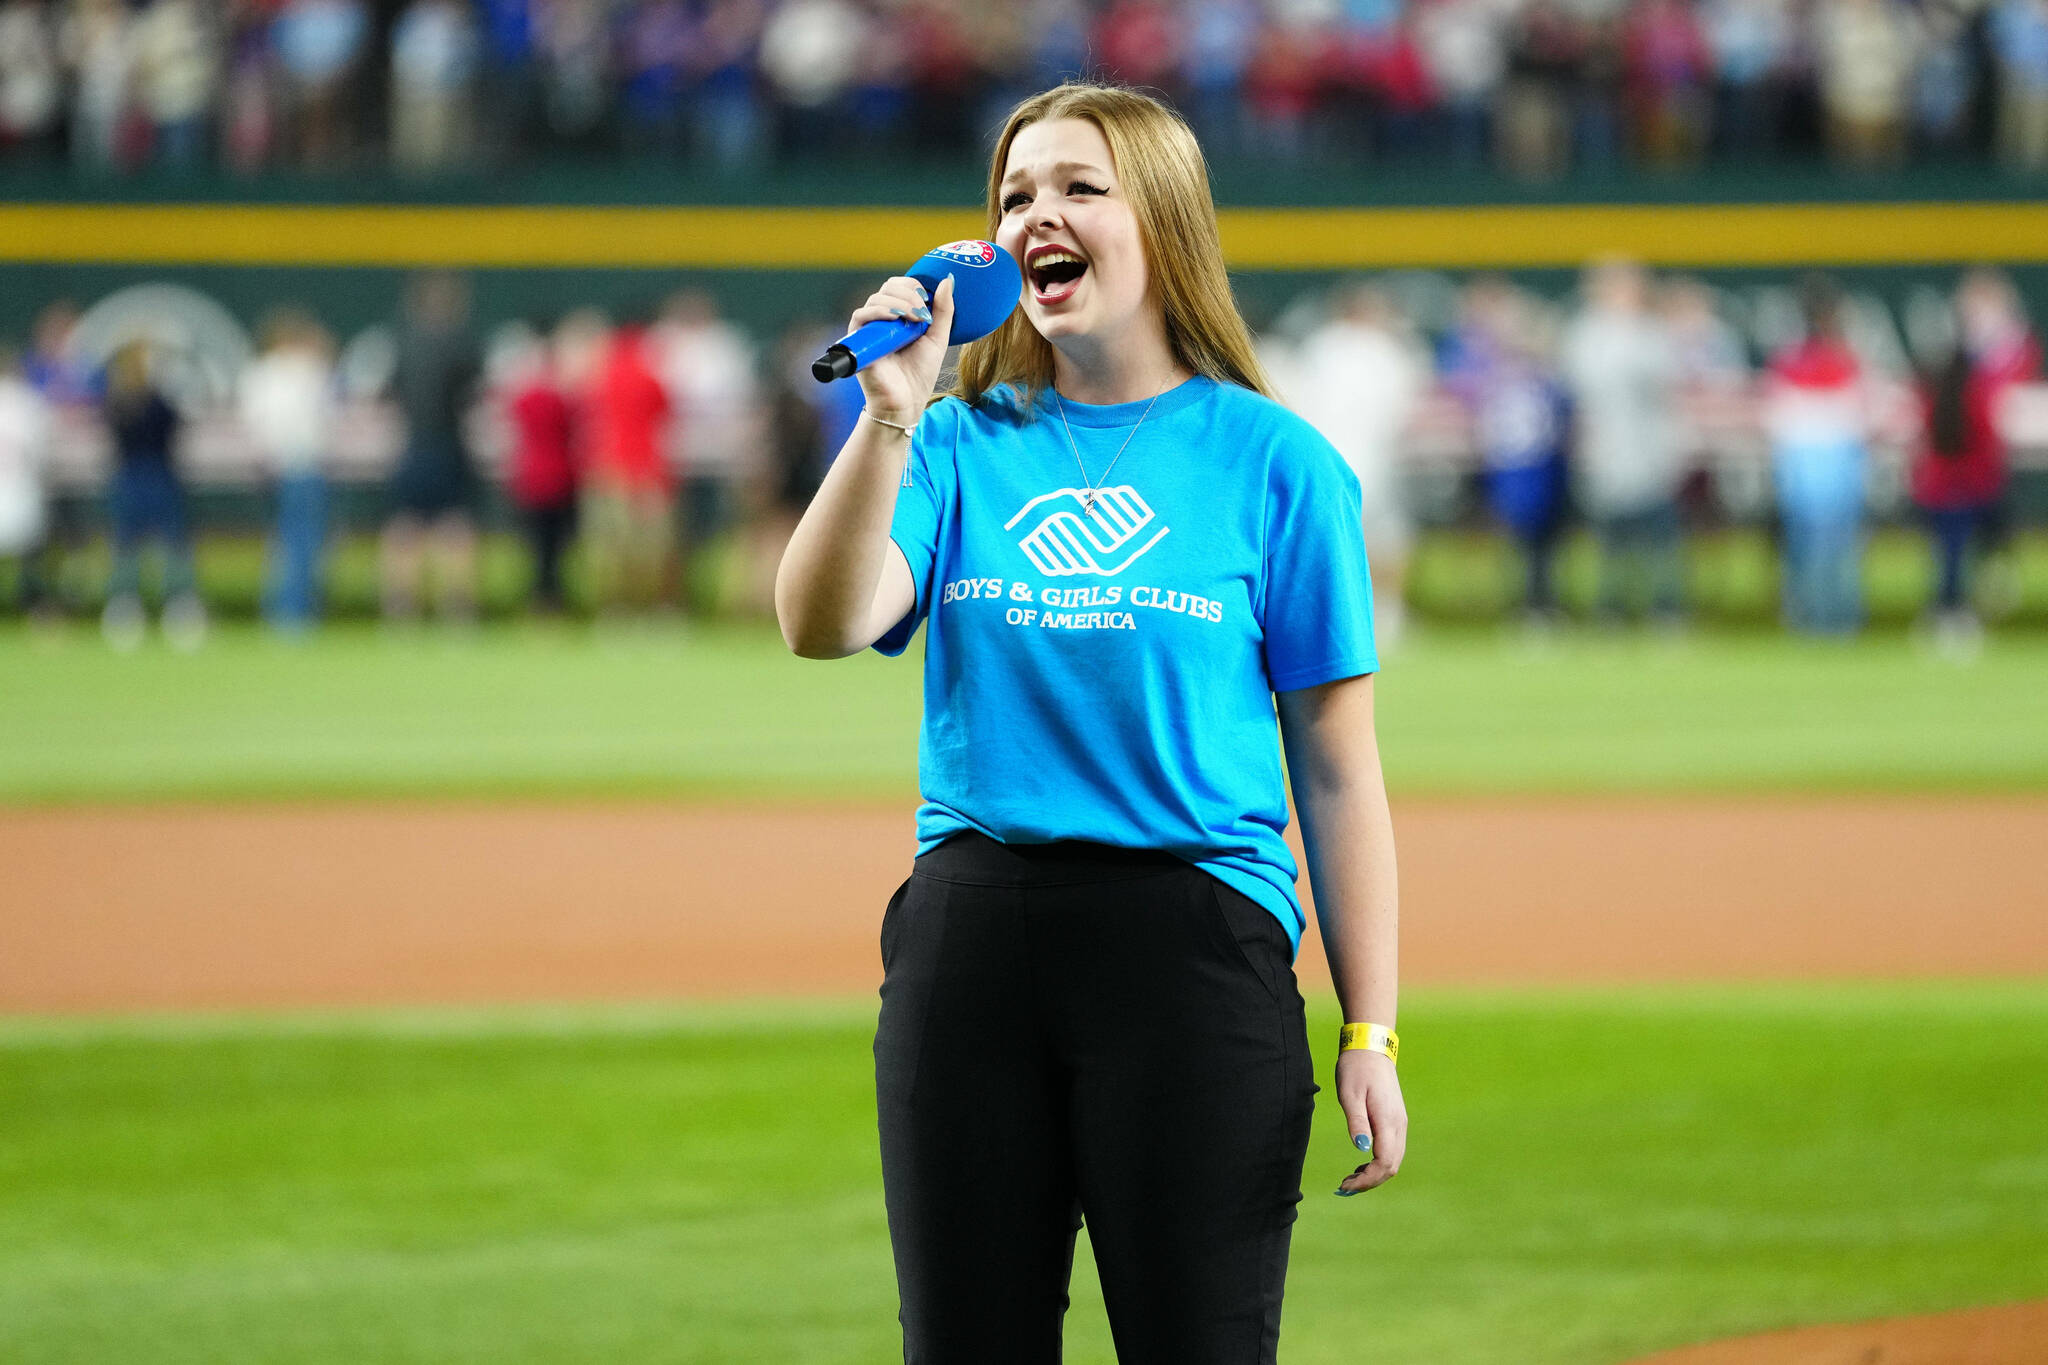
(898, 385)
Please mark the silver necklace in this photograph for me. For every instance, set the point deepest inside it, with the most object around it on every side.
(1088, 492)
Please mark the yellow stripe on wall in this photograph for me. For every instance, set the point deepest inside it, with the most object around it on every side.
(888, 238)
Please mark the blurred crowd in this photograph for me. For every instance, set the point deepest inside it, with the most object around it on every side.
(637, 438)
(1641, 413)
(1535, 87)
(1644, 410)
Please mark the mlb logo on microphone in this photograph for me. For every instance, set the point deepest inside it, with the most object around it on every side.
(968, 252)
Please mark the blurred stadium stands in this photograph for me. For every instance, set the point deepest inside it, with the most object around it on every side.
(181, 169)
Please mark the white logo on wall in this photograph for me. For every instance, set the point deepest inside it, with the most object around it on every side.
(1075, 538)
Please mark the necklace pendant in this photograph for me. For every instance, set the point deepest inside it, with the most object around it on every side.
(1088, 501)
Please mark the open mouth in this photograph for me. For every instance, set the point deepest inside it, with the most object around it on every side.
(1055, 274)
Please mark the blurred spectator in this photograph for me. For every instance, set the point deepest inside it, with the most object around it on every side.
(287, 401)
(319, 44)
(1749, 42)
(1818, 416)
(249, 112)
(628, 497)
(1668, 68)
(508, 80)
(1463, 48)
(943, 76)
(1280, 86)
(1537, 84)
(1222, 35)
(1716, 404)
(433, 66)
(2019, 37)
(1866, 59)
(1547, 52)
(177, 65)
(1597, 95)
(1361, 376)
(1959, 476)
(810, 55)
(1520, 423)
(879, 108)
(1138, 42)
(433, 490)
(1945, 83)
(656, 38)
(728, 118)
(575, 53)
(146, 501)
(708, 367)
(1061, 49)
(1622, 373)
(98, 48)
(59, 373)
(24, 500)
(543, 466)
(30, 80)
(1706, 351)
(796, 461)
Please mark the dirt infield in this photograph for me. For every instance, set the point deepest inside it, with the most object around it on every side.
(171, 908)
(2016, 1335)
(126, 909)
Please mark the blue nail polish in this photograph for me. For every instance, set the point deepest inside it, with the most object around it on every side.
(924, 315)
(1362, 1142)
(896, 313)
(1345, 1194)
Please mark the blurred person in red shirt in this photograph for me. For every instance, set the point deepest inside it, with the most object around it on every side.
(542, 414)
(1669, 71)
(1818, 414)
(628, 485)
(1959, 475)
(1139, 42)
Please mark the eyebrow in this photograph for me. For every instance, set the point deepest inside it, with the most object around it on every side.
(1060, 166)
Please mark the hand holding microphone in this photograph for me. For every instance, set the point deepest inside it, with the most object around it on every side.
(896, 341)
(898, 383)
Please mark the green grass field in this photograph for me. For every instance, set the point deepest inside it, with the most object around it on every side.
(1592, 1176)
(725, 710)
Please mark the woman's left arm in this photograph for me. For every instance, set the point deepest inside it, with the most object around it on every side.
(1333, 761)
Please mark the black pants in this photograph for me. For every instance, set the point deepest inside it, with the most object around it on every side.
(548, 532)
(1068, 1031)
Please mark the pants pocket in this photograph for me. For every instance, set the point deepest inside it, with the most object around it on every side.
(891, 918)
(1251, 930)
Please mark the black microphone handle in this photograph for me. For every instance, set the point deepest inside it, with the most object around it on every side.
(836, 363)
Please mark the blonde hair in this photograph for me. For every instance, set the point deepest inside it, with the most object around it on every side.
(1167, 182)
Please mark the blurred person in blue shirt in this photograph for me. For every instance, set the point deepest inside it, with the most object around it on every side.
(146, 501)
(433, 68)
(1521, 422)
(655, 39)
(2019, 44)
(319, 44)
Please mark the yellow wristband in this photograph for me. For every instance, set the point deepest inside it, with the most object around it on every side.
(1371, 1037)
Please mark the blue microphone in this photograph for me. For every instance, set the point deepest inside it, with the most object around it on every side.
(986, 288)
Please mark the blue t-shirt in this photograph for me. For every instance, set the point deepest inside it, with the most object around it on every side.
(1107, 674)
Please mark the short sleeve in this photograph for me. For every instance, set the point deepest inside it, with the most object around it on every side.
(920, 510)
(1317, 615)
